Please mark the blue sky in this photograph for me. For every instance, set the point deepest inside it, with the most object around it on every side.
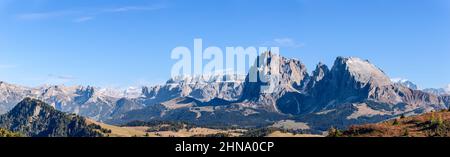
(124, 43)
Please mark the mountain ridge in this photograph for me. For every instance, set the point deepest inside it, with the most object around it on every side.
(353, 90)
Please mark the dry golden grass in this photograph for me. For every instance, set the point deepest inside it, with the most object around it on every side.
(415, 126)
(141, 131)
(281, 134)
(195, 132)
(120, 131)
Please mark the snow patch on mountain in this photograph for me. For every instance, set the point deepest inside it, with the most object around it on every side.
(405, 82)
(399, 80)
(133, 92)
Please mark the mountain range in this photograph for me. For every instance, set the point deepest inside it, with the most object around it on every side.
(436, 91)
(352, 91)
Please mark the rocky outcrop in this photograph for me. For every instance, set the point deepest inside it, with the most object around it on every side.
(271, 77)
(203, 88)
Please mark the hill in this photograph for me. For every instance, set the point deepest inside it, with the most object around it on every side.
(434, 124)
(35, 118)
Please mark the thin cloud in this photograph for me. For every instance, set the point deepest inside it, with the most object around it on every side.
(45, 15)
(51, 79)
(83, 19)
(85, 15)
(284, 42)
(135, 8)
(62, 77)
(7, 66)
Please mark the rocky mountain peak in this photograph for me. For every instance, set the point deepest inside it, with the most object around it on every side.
(2, 84)
(86, 91)
(271, 77)
(405, 82)
(318, 74)
(321, 71)
(57, 90)
(361, 71)
(445, 91)
(202, 87)
(280, 73)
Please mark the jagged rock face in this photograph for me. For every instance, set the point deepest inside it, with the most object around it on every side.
(434, 91)
(362, 71)
(84, 94)
(271, 77)
(349, 80)
(85, 101)
(57, 96)
(416, 97)
(317, 75)
(356, 81)
(203, 88)
(124, 105)
(102, 104)
(446, 100)
(10, 95)
(439, 91)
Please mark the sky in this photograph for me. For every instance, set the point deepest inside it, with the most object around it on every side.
(128, 43)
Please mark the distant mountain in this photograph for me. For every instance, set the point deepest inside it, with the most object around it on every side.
(87, 101)
(10, 95)
(352, 91)
(405, 83)
(36, 119)
(411, 85)
(203, 88)
(102, 104)
(438, 91)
